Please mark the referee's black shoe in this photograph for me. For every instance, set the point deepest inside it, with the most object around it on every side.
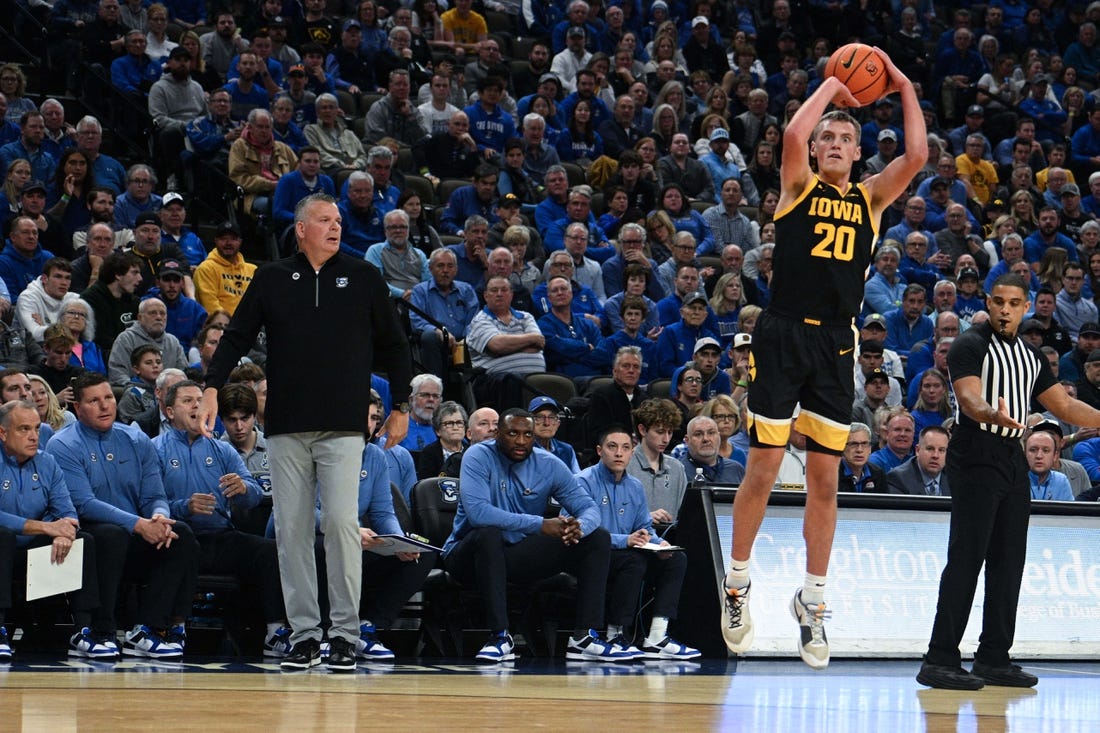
(948, 678)
(1010, 675)
(302, 656)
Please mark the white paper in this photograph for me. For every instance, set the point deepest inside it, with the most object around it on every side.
(654, 547)
(46, 579)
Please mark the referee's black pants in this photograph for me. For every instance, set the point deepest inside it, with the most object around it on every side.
(990, 509)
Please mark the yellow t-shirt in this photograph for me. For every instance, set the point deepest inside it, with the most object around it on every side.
(983, 176)
(468, 30)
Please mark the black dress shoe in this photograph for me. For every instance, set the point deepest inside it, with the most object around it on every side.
(341, 656)
(303, 655)
(1009, 675)
(948, 678)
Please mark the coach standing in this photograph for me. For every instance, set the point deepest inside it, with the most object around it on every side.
(995, 376)
(329, 320)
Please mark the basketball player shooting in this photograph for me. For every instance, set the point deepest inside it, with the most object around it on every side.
(803, 344)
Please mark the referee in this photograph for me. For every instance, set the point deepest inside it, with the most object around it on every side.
(995, 376)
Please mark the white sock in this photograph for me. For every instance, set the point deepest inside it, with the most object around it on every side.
(365, 622)
(658, 630)
(614, 630)
(813, 589)
(737, 577)
(273, 627)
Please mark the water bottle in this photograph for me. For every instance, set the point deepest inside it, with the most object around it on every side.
(700, 481)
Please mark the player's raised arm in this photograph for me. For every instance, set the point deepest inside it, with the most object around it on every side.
(886, 186)
(795, 169)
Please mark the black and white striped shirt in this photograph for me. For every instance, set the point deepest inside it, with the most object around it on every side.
(1008, 368)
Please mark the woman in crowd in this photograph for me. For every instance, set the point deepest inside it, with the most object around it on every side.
(65, 196)
(76, 316)
(45, 401)
(726, 303)
(17, 174)
(932, 406)
(674, 202)
(580, 143)
(422, 235)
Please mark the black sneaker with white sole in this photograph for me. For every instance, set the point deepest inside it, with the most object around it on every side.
(306, 654)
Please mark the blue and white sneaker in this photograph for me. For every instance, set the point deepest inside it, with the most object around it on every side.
(499, 648)
(144, 642)
(629, 651)
(5, 646)
(278, 644)
(594, 649)
(369, 648)
(669, 648)
(85, 644)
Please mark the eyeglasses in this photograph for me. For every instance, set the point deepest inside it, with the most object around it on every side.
(693, 380)
(858, 444)
(429, 395)
(722, 418)
(75, 314)
(547, 419)
(632, 241)
(452, 424)
(142, 181)
(397, 226)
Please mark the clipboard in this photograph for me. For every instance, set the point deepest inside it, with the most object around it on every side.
(395, 543)
(654, 547)
(46, 579)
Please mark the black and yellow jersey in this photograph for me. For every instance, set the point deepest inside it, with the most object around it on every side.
(824, 242)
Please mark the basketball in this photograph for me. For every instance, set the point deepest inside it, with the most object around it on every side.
(861, 69)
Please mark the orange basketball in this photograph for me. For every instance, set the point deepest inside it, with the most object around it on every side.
(861, 69)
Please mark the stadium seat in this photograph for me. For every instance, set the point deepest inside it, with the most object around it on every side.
(558, 386)
(422, 187)
(659, 388)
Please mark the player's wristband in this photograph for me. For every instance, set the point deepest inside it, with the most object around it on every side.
(743, 383)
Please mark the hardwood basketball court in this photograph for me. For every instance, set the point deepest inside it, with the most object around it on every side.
(43, 694)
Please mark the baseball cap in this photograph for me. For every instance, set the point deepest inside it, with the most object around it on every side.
(1091, 328)
(179, 52)
(1041, 79)
(171, 198)
(171, 268)
(888, 135)
(968, 272)
(704, 343)
(1070, 189)
(541, 402)
(1031, 324)
(510, 199)
(352, 23)
(147, 217)
(925, 104)
(278, 22)
(885, 101)
(695, 297)
(699, 20)
(787, 36)
(939, 182)
(719, 133)
(975, 110)
(550, 77)
(575, 30)
(33, 185)
(872, 346)
(875, 319)
(1094, 178)
(227, 227)
(1047, 425)
(1094, 355)
(659, 5)
(877, 374)
(742, 340)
